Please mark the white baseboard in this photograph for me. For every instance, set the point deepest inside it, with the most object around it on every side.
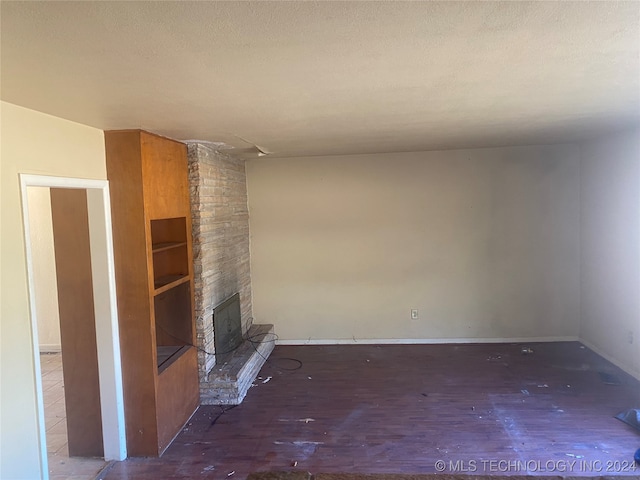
(421, 341)
(50, 348)
(634, 373)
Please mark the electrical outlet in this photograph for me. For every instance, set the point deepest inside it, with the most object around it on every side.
(630, 336)
(414, 314)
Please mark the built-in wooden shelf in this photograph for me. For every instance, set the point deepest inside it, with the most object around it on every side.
(161, 247)
(168, 354)
(167, 282)
(148, 180)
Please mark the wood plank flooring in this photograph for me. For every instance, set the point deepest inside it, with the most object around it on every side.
(484, 409)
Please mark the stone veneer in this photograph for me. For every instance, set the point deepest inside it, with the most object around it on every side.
(220, 219)
(228, 384)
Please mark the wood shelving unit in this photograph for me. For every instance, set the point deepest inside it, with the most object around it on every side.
(167, 282)
(154, 280)
(161, 247)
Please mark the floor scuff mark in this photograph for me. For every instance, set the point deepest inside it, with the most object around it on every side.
(298, 443)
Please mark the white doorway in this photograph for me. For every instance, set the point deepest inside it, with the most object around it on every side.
(106, 322)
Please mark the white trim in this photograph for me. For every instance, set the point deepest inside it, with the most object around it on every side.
(423, 341)
(28, 180)
(609, 358)
(108, 344)
(107, 329)
(42, 441)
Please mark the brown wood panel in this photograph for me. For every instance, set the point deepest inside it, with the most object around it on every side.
(400, 408)
(178, 396)
(166, 197)
(137, 337)
(166, 193)
(77, 321)
(165, 177)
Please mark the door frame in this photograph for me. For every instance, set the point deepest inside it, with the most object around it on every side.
(105, 307)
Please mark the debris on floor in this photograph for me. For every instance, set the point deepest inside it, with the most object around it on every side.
(526, 350)
(267, 379)
(574, 456)
(298, 443)
(609, 378)
(631, 417)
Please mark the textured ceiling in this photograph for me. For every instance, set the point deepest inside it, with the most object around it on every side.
(315, 78)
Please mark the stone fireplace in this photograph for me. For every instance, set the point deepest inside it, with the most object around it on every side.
(220, 218)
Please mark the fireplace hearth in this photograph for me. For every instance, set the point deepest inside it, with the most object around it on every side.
(228, 382)
(237, 361)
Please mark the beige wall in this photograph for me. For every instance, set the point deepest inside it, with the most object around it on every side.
(484, 243)
(32, 143)
(610, 255)
(44, 268)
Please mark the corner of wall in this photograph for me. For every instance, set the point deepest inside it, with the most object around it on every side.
(610, 247)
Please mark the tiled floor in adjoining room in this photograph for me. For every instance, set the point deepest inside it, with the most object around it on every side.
(61, 466)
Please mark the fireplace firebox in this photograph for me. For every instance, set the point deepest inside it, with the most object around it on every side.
(227, 328)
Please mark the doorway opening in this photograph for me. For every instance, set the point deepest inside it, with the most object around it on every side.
(88, 420)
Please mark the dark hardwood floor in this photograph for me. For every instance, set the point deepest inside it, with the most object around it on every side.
(484, 409)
